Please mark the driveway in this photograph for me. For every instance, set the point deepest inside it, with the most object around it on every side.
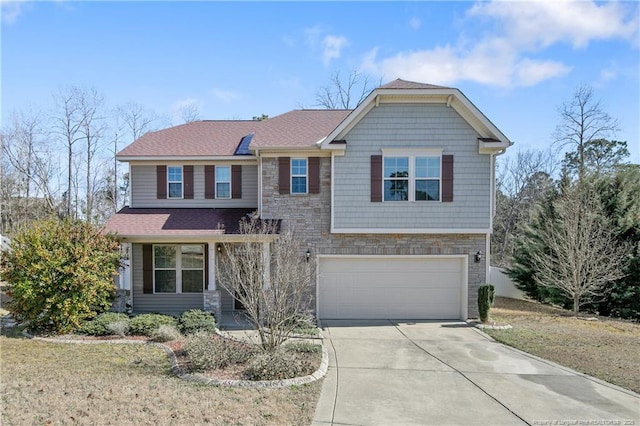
(448, 373)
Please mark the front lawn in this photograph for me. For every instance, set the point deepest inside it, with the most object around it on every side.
(603, 348)
(55, 383)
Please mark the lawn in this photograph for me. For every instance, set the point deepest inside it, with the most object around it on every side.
(604, 348)
(53, 383)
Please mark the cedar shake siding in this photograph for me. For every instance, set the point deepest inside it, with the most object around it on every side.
(147, 181)
(465, 190)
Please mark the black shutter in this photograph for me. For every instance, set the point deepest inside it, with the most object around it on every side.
(147, 269)
(236, 181)
(447, 178)
(161, 180)
(284, 175)
(188, 182)
(376, 178)
(314, 175)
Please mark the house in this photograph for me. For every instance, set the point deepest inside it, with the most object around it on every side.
(393, 200)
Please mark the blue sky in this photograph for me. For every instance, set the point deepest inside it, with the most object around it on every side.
(516, 61)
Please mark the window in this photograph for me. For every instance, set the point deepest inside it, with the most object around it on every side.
(298, 175)
(174, 181)
(411, 178)
(427, 173)
(223, 182)
(178, 268)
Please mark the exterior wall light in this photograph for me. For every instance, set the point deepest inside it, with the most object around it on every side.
(219, 248)
(478, 256)
(308, 254)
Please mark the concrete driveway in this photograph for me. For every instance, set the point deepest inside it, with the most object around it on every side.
(447, 373)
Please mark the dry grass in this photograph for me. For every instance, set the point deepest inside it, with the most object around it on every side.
(605, 348)
(51, 383)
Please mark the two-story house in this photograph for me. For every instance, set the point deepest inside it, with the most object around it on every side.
(393, 200)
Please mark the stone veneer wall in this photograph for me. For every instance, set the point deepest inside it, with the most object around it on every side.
(309, 217)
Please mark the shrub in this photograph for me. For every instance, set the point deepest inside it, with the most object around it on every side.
(60, 273)
(146, 324)
(196, 320)
(165, 333)
(277, 365)
(206, 352)
(486, 294)
(99, 326)
(303, 348)
(119, 328)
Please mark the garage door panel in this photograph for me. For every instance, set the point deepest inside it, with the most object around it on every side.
(402, 288)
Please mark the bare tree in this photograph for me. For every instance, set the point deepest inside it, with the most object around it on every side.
(522, 182)
(582, 119)
(583, 254)
(67, 125)
(270, 276)
(189, 113)
(342, 93)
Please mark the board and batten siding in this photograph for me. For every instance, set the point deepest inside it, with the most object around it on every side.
(412, 126)
(143, 189)
(171, 304)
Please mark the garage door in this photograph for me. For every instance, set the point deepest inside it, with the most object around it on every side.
(391, 287)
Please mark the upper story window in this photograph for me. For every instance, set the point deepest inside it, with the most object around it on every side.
(178, 268)
(298, 175)
(223, 182)
(411, 178)
(174, 181)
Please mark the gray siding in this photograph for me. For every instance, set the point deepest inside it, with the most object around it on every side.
(412, 126)
(171, 304)
(143, 189)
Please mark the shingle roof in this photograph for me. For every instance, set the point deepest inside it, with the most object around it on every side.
(298, 128)
(405, 84)
(174, 222)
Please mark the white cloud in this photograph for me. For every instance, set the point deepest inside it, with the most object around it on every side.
(415, 23)
(504, 57)
(225, 95)
(11, 10)
(543, 23)
(332, 48)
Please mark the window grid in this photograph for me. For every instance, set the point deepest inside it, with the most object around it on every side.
(223, 182)
(299, 175)
(411, 178)
(174, 182)
(178, 268)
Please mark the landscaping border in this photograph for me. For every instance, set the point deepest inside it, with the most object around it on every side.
(199, 378)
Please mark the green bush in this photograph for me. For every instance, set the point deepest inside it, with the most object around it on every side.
(147, 324)
(486, 294)
(165, 333)
(119, 328)
(303, 348)
(277, 365)
(59, 274)
(99, 326)
(196, 320)
(206, 352)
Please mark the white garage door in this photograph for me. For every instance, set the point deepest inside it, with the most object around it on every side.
(391, 287)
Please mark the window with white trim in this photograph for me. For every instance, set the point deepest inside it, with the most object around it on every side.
(411, 178)
(178, 268)
(174, 181)
(299, 175)
(223, 182)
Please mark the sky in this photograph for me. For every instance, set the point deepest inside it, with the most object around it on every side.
(516, 61)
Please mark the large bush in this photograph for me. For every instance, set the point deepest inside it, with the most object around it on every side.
(206, 352)
(147, 324)
(60, 273)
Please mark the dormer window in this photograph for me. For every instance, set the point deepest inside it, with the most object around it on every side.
(174, 181)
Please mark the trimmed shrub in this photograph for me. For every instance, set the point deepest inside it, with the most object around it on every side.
(119, 328)
(196, 320)
(486, 294)
(99, 326)
(146, 324)
(207, 352)
(277, 365)
(165, 333)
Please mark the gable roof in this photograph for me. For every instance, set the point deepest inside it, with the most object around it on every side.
(405, 84)
(215, 138)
